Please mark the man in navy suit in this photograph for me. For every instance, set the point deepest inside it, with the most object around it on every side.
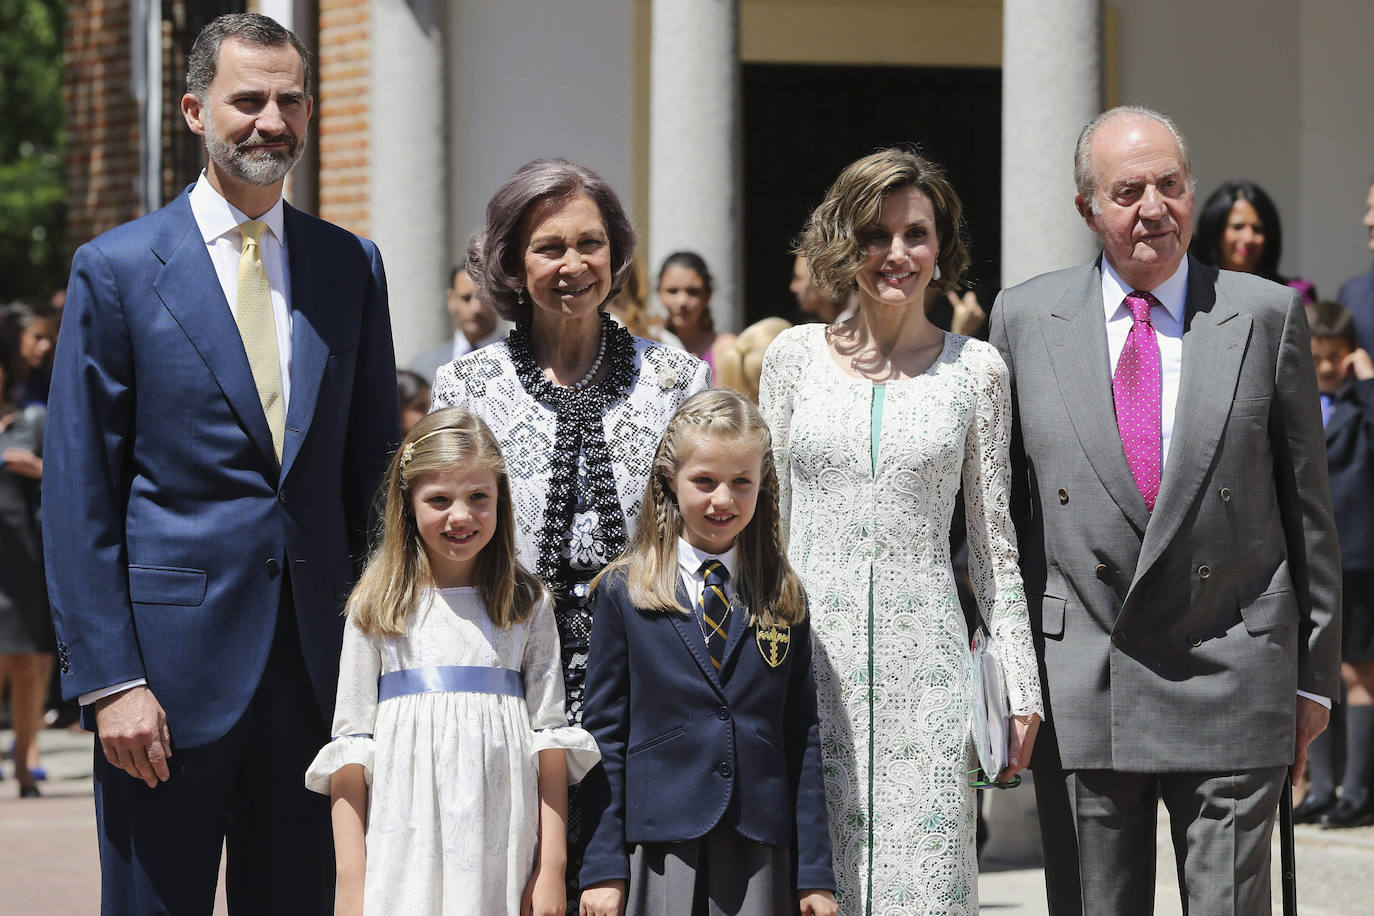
(222, 406)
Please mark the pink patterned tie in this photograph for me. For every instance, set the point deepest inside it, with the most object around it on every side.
(1136, 389)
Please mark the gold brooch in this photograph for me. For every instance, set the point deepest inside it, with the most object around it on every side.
(773, 642)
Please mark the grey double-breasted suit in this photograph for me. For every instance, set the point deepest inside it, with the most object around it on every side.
(1174, 641)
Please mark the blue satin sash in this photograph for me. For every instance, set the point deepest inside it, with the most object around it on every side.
(450, 678)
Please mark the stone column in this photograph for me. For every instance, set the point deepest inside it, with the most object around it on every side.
(1051, 87)
(695, 149)
(409, 163)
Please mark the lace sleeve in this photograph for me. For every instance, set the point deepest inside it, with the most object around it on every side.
(992, 552)
(782, 368)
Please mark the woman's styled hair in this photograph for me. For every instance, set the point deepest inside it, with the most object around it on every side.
(763, 579)
(1216, 212)
(398, 569)
(832, 241)
(740, 366)
(689, 260)
(496, 252)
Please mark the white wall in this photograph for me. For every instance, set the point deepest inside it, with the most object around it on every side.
(531, 79)
(1276, 91)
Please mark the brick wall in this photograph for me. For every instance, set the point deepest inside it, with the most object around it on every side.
(343, 112)
(101, 119)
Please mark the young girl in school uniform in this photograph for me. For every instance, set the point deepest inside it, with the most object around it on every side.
(451, 756)
(710, 799)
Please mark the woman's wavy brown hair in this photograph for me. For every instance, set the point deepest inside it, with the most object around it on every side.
(832, 240)
(398, 569)
(763, 580)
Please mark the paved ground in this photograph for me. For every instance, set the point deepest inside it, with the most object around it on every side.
(48, 864)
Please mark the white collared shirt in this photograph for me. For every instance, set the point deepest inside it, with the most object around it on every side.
(1167, 318)
(462, 346)
(218, 221)
(689, 560)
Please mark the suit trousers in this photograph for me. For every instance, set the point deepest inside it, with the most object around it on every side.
(160, 848)
(1098, 830)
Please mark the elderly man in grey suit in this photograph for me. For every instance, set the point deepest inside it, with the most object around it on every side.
(1177, 541)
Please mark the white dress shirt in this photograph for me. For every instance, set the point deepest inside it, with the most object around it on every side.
(218, 222)
(1167, 318)
(462, 346)
(689, 560)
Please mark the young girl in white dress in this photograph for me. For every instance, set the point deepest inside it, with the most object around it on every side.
(699, 692)
(451, 756)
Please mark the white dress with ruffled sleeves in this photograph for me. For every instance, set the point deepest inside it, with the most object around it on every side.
(453, 809)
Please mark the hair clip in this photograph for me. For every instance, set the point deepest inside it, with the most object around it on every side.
(408, 453)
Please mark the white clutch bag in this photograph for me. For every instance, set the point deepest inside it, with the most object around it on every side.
(990, 713)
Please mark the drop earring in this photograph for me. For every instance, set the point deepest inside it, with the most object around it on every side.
(938, 274)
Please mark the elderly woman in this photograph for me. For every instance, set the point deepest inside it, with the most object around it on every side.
(576, 402)
(1238, 229)
(876, 422)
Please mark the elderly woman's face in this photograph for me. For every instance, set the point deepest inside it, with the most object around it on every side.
(900, 251)
(567, 258)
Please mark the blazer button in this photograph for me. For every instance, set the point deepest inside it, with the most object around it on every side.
(1194, 640)
(1225, 494)
(1102, 571)
(273, 567)
(723, 713)
(1204, 571)
(281, 495)
(1119, 638)
(1063, 496)
(724, 769)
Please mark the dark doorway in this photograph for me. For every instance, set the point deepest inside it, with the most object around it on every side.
(804, 123)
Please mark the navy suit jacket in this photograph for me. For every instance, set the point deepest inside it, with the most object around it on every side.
(684, 747)
(168, 523)
(1357, 295)
(1350, 464)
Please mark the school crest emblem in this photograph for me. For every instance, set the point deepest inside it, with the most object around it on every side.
(773, 642)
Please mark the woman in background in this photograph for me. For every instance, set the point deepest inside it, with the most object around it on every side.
(685, 286)
(1238, 229)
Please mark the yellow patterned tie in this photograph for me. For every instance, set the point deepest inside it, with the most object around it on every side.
(253, 312)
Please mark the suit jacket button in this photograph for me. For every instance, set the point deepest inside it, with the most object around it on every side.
(1225, 494)
(724, 770)
(273, 567)
(1119, 638)
(1102, 571)
(281, 495)
(723, 713)
(1204, 571)
(1194, 640)
(1063, 496)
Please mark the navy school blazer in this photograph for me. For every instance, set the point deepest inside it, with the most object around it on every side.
(1350, 464)
(685, 748)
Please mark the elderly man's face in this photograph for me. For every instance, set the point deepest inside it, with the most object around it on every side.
(1143, 207)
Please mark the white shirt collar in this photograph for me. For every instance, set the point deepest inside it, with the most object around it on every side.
(690, 558)
(1172, 293)
(217, 217)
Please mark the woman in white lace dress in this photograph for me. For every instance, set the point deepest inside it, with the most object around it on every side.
(577, 403)
(876, 422)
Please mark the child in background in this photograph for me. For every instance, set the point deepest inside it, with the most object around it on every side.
(412, 391)
(742, 362)
(450, 739)
(1345, 378)
(700, 693)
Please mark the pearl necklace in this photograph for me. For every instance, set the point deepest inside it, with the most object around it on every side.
(596, 365)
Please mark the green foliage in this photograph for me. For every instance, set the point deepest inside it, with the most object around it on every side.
(32, 250)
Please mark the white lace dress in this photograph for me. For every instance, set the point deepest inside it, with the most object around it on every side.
(869, 475)
(453, 810)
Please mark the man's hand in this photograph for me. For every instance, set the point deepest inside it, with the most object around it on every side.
(133, 733)
(604, 899)
(1312, 720)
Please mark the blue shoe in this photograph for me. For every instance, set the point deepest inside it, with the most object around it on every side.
(39, 774)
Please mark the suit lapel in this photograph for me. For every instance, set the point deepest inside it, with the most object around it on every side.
(190, 291)
(309, 350)
(1214, 338)
(690, 631)
(1076, 340)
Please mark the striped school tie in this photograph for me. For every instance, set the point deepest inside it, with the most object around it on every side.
(713, 609)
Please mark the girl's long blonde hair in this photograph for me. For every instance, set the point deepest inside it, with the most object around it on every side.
(763, 579)
(398, 569)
